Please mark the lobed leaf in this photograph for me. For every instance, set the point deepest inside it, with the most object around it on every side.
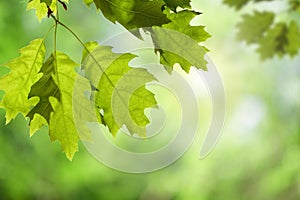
(279, 40)
(62, 127)
(273, 39)
(184, 42)
(40, 7)
(120, 90)
(238, 4)
(253, 27)
(173, 4)
(272, 42)
(25, 72)
(293, 37)
(133, 13)
(44, 89)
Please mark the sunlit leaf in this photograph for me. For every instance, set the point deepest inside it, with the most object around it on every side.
(40, 8)
(43, 89)
(121, 92)
(133, 13)
(62, 127)
(88, 2)
(185, 42)
(25, 72)
(173, 4)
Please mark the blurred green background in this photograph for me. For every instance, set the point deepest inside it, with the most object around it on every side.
(257, 156)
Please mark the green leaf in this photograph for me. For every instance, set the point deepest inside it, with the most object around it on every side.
(273, 39)
(193, 54)
(88, 2)
(91, 46)
(37, 123)
(293, 38)
(237, 4)
(169, 59)
(173, 4)
(50, 2)
(40, 7)
(47, 2)
(273, 42)
(139, 100)
(54, 108)
(121, 92)
(84, 107)
(124, 104)
(133, 13)
(62, 127)
(43, 89)
(180, 22)
(294, 5)
(23, 75)
(253, 27)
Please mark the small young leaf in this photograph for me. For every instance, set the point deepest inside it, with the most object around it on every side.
(40, 7)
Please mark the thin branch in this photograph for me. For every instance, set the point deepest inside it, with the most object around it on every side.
(88, 51)
(84, 46)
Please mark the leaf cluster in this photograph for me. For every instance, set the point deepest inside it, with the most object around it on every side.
(272, 35)
(41, 88)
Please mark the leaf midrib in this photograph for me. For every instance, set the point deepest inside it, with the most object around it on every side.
(34, 62)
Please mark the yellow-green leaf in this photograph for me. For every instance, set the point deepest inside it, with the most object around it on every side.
(180, 44)
(43, 89)
(39, 7)
(121, 92)
(173, 4)
(36, 123)
(88, 2)
(62, 127)
(23, 75)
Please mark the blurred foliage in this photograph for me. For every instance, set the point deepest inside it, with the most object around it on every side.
(257, 157)
(273, 34)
